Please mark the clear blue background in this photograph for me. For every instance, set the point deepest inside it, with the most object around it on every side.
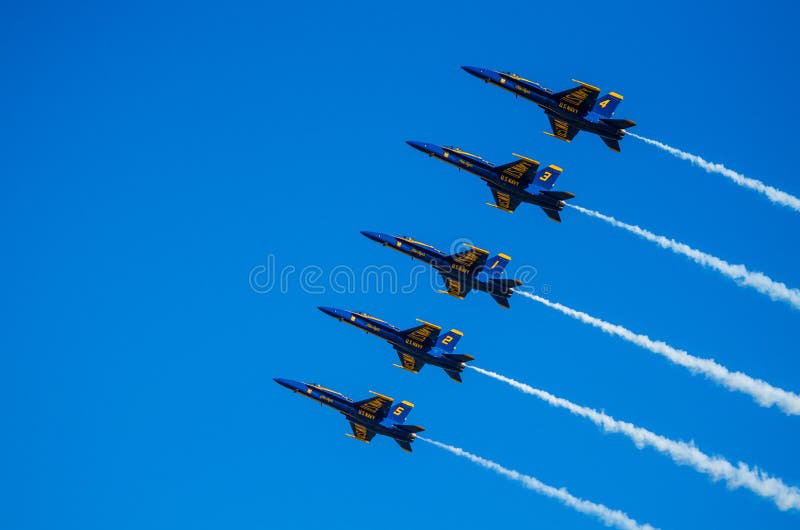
(154, 154)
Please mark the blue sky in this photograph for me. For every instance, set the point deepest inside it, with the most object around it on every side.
(154, 154)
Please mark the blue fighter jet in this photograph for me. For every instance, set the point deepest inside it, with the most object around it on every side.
(462, 272)
(569, 111)
(416, 346)
(371, 416)
(510, 183)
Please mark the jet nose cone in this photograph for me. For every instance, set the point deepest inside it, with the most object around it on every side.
(284, 382)
(375, 236)
(332, 311)
(294, 386)
(418, 145)
(428, 149)
(371, 235)
(477, 72)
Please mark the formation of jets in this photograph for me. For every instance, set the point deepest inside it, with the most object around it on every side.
(523, 180)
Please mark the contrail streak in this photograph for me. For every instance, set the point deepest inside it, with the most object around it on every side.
(759, 281)
(773, 194)
(717, 467)
(607, 515)
(762, 392)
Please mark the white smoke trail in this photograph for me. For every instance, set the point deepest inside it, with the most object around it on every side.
(607, 515)
(762, 392)
(773, 194)
(718, 468)
(759, 281)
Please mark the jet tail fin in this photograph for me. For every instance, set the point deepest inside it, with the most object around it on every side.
(495, 266)
(606, 105)
(448, 341)
(400, 412)
(546, 177)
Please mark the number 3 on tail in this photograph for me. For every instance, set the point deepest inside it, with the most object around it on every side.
(545, 176)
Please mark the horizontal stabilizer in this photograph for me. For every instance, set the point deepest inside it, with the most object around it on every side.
(459, 357)
(501, 289)
(454, 375)
(410, 428)
(552, 214)
(404, 445)
(619, 124)
(501, 299)
(558, 195)
(612, 144)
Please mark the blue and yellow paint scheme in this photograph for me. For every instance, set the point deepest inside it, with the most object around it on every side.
(512, 183)
(415, 346)
(462, 272)
(368, 417)
(570, 111)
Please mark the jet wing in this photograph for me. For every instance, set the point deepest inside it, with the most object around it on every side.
(561, 129)
(375, 408)
(361, 433)
(504, 201)
(456, 288)
(426, 334)
(471, 259)
(409, 362)
(580, 98)
(520, 173)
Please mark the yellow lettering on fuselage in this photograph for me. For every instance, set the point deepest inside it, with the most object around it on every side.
(366, 415)
(509, 180)
(413, 343)
(459, 268)
(568, 108)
